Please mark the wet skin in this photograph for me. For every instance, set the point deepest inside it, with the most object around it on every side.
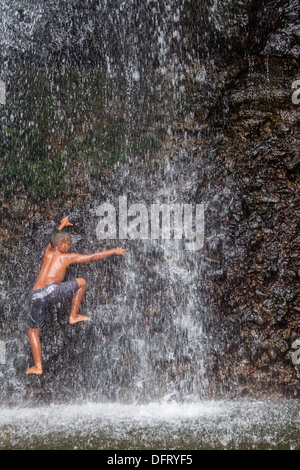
(55, 263)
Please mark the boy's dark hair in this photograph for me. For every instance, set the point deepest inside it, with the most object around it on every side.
(57, 236)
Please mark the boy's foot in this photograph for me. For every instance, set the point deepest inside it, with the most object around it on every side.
(77, 318)
(35, 370)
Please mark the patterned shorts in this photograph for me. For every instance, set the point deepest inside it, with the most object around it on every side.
(49, 295)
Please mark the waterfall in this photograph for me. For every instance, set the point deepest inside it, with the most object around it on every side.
(104, 117)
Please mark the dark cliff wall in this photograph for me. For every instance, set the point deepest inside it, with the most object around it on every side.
(255, 293)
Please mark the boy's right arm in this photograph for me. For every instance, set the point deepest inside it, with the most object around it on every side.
(63, 223)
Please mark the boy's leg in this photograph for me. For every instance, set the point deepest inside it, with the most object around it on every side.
(76, 301)
(36, 351)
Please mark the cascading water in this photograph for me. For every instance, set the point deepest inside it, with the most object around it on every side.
(154, 343)
(108, 100)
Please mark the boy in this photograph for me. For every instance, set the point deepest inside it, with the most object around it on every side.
(50, 287)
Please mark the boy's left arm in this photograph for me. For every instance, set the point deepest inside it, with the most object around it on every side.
(63, 223)
(76, 258)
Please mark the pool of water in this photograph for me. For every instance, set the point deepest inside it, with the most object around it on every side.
(161, 426)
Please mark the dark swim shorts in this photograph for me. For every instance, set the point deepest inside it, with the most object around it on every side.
(49, 295)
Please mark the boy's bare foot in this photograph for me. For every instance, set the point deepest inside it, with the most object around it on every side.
(35, 370)
(77, 318)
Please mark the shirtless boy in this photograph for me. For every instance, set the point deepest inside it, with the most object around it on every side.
(50, 288)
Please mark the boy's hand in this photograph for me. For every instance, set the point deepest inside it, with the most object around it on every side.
(120, 251)
(65, 222)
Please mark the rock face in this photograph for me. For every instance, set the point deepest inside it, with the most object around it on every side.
(256, 296)
(205, 116)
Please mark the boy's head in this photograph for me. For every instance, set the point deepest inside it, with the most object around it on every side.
(60, 240)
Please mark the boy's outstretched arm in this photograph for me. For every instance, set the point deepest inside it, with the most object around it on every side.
(76, 258)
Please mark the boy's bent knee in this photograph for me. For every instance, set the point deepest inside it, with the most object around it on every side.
(34, 331)
(81, 282)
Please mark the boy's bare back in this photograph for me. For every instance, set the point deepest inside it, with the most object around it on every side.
(56, 260)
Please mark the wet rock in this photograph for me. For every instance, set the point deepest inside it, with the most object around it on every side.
(267, 344)
(291, 166)
(214, 246)
(253, 316)
(289, 276)
(264, 359)
(279, 314)
(287, 334)
(282, 346)
(272, 354)
(239, 209)
(18, 208)
(283, 294)
(272, 270)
